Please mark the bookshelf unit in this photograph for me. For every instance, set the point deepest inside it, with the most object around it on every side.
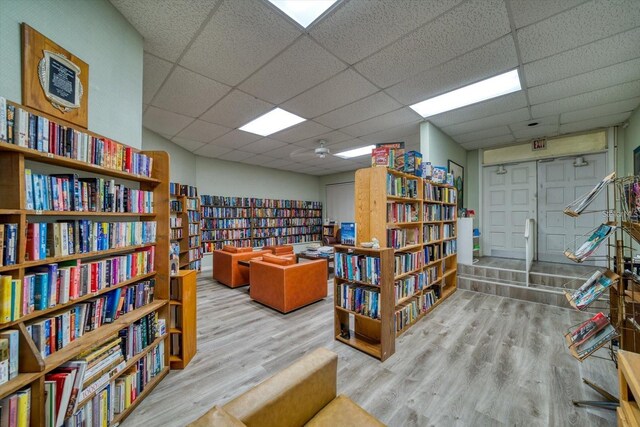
(330, 230)
(414, 219)
(183, 318)
(185, 229)
(245, 222)
(131, 240)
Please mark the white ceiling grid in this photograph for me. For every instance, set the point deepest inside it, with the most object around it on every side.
(212, 66)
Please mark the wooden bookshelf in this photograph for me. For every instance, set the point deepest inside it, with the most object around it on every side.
(187, 248)
(414, 221)
(629, 376)
(183, 327)
(13, 209)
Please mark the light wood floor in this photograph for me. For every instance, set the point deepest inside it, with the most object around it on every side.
(476, 360)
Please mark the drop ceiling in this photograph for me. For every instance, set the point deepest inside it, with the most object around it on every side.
(212, 66)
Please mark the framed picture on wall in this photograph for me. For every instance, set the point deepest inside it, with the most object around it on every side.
(458, 180)
(636, 161)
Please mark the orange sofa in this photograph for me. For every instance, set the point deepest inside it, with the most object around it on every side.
(225, 265)
(278, 282)
(279, 250)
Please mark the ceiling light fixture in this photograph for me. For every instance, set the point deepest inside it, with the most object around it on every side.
(304, 12)
(477, 92)
(272, 122)
(356, 152)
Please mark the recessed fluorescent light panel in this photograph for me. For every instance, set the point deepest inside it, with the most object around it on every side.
(356, 152)
(480, 91)
(304, 12)
(272, 122)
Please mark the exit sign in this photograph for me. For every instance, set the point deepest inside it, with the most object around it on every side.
(539, 144)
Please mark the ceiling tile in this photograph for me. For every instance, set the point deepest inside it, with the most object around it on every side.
(482, 134)
(536, 132)
(331, 138)
(543, 121)
(597, 79)
(155, 70)
(240, 38)
(495, 58)
(586, 100)
(263, 145)
(164, 122)
(284, 152)
(211, 150)
(187, 144)
(491, 107)
(489, 142)
(278, 163)
(348, 145)
(527, 12)
(236, 109)
(305, 130)
(502, 119)
(340, 90)
(303, 65)
(385, 121)
(601, 110)
(590, 124)
(236, 156)
(188, 93)
(396, 133)
(575, 27)
(236, 139)
(167, 27)
(259, 160)
(377, 24)
(464, 28)
(202, 131)
(603, 53)
(358, 111)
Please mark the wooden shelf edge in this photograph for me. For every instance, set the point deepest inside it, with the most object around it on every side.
(372, 349)
(148, 389)
(20, 381)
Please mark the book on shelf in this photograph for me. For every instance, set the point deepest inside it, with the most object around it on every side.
(9, 354)
(412, 309)
(29, 130)
(16, 409)
(9, 235)
(348, 233)
(359, 299)
(360, 268)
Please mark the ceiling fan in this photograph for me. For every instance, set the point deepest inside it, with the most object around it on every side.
(308, 153)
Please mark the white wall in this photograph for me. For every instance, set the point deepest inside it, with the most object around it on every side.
(182, 163)
(98, 34)
(438, 148)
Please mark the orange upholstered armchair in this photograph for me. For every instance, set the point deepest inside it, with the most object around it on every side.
(279, 250)
(225, 265)
(280, 283)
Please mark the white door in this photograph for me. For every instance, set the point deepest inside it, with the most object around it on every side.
(509, 199)
(560, 183)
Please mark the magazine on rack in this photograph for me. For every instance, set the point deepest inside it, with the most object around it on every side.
(631, 197)
(576, 207)
(589, 336)
(590, 290)
(590, 246)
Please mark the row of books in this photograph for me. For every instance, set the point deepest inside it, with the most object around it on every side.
(402, 212)
(58, 283)
(431, 232)
(432, 213)
(214, 223)
(175, 233)
(400, 186)
(242, 233)
(192, 204)
(296, 204)
(139, 335)
(9, 247)
(69, 237)
(286, 240)
(193, 216)
(449, 230)
(211, 212)
(449, 213)
(195, 265)
(28, 130)
(67, 192)
(405, 262)
(436, 193)
(359, 299)
(194, 254)
(449, 247)
(15, 409)
(54, 333)
(432, 274)
(400, 237)
(175, 222)
(177, 189)
(432, 253)
(290, 213)
(176, 345)
(176, 206)
(409, 285)
(195, 241)
(209, 247)
(360, 268)
(207, 200)
(412, 309)
(194, 229)
(9, 355)
(284, 231)
(285, 222)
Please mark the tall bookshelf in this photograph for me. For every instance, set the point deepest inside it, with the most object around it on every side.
(415, 221)
(112, 161)
(185, 232)
(246, 222)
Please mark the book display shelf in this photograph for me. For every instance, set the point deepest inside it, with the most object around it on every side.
(254, 222)
(183, 318)
(415, 220)
(185, 226)
(330, 230)
(84, 269)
